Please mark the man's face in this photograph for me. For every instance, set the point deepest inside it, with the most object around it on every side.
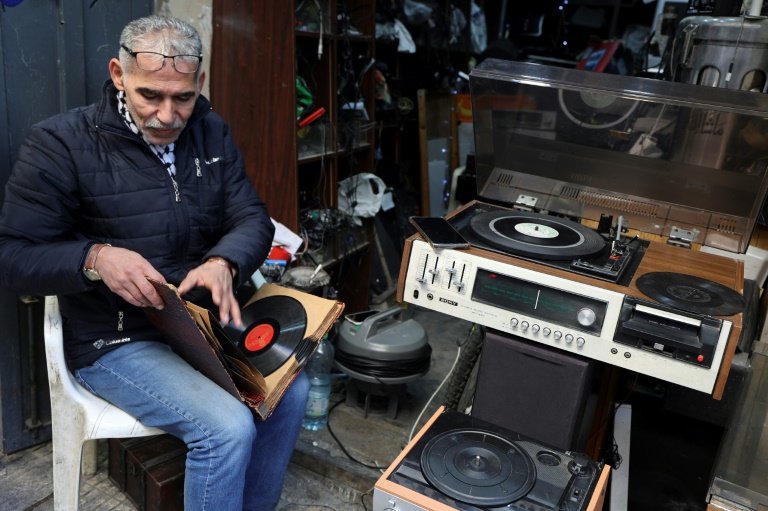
(160, 102)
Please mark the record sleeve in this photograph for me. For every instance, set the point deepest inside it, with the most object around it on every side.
(196, 335)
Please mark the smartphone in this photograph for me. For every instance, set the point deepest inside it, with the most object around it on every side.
(438, 232)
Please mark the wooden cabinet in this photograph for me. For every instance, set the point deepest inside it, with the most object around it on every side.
(261, 50)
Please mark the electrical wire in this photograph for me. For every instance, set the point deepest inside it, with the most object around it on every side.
(735, 49)
(613, 452)
(341, 446)
(416, 422)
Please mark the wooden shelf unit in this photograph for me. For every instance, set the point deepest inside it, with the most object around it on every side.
(258, 53)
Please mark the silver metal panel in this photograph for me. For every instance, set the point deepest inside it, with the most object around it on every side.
(430, 284)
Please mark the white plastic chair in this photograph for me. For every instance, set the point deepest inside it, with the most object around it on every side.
(77, 416)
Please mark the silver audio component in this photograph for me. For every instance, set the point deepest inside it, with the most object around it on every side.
(581, 318)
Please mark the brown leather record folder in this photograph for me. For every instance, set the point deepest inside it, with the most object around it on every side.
(194, 333)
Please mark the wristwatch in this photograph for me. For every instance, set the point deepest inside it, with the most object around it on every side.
(90, 262)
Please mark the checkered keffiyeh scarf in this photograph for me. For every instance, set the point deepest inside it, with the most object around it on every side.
(164, 152)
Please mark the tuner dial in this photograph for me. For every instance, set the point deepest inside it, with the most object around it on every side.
(586, 317)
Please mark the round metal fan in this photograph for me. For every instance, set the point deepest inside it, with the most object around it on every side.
(306, 277)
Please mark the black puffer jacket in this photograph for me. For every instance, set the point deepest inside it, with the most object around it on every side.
(82, 177)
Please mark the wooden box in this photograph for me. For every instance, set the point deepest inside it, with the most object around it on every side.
(150, 470)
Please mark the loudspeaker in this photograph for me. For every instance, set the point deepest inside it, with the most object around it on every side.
(544, 393)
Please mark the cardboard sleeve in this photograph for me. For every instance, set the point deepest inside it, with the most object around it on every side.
(195, 334)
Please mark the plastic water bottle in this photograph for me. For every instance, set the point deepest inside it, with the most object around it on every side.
(318, 370)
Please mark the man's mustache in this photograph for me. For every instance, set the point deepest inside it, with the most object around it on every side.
(155, 124)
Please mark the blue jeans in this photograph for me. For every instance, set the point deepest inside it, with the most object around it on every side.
(235, 462)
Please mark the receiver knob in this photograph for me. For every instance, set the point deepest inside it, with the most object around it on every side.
(524, 325)
(586, 317)
(568, 338)
(558, 335)
(580, 342)
(535, 328)
(547, 331)
(514, 322)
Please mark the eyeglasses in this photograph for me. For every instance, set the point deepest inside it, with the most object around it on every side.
(153, 61)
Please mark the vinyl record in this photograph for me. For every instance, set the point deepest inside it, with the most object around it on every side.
(690, 293)
(536, 235)
(595, 110)
(274, 328)
(478, 467)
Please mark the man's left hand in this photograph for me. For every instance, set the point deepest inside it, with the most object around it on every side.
(217, 278)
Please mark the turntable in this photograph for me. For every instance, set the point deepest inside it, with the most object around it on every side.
(461, 462)
(588, 231)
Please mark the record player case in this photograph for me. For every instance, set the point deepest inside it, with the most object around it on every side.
(670, 166)
(405, 485)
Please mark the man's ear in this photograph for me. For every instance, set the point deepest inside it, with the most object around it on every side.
(201, 81)
(116, 73)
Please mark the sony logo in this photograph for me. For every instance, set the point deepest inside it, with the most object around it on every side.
(449, 302)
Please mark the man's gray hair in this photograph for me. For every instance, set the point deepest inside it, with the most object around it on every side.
(161, 34)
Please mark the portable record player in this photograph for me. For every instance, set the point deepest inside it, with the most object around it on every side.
(461, 462)
(584, 221)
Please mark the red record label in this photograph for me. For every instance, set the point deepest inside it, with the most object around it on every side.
(274, 330)
(259, 337)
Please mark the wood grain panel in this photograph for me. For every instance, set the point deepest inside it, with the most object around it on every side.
(252, 87)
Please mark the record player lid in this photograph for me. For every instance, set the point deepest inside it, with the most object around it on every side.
(674, 159)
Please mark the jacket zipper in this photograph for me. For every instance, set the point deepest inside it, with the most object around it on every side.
(176, 189)
(176, 194)
(199, 174)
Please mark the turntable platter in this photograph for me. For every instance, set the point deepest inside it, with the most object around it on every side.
(478, 467)
(536, 235)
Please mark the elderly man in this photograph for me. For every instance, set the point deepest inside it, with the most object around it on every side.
(149, 183)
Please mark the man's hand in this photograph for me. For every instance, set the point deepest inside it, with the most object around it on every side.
(125, 272)
(217, 278)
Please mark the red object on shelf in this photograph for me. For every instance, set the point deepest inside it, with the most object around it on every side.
(311, 117)
(603, 56)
